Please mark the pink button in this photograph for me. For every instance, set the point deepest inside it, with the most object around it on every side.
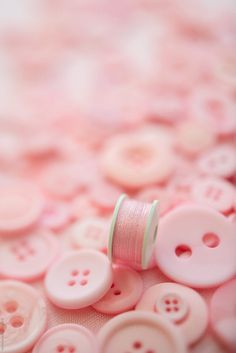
(20, 207)
(22, 317)
(61, 180)
(136, 160)
(196, 246)
(216, 193)
(194, 137)
(223, 314)
(124, 293)
(219, 162)
(181, 305)
(79, 279)
(140, 332)
(67, 338)
(24, 258)
(90, 233)
(104, 195)
(56, 216)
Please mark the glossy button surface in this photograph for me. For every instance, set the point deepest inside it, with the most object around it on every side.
(139, 331)
(20, 207)
(22, 316)
(79, 279)
(124, 293)
(181, 305)
(67, 338)
(27, 257)
(196, 246)
(223, 314)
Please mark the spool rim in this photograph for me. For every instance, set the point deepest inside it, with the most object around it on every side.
(154, 207)
(113, 223)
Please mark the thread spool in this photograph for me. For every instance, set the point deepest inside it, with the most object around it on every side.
(133, 232)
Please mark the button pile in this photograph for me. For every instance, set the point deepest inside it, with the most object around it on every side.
(117, 176)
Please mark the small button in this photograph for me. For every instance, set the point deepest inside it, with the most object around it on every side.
(194, 137)
(181, 305)
(219, 161)
(124, 293)
(79, 279)
(67, 338)
(214, 192)
(191, 243)
(21, 205)
(136, 160)
(56, 216)
(23, 258)
(23, 316)
(140, 332)
(90, 233)
(223, 314)
(61, 180)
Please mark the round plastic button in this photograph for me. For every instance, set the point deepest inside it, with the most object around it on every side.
(194, 137)
(219, 162)
(24, 258)
(79, 279)
(139, 331)
(89, 233)
(181, 305)
(22, 317)
(196, 246)
(216, 193)
(124, 293)
(67, 338)
(135, 160)
(20, 207)
(223, 314)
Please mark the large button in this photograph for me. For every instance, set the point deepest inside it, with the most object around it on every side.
(223, 314)
(22, 317)
(124, 293)
(140, 332)
(181, 305)
(67, 338)
(23, 258)
(20, 207)
(79, 279)
(196, 246)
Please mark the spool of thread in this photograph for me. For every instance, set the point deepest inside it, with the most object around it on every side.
(133, 232)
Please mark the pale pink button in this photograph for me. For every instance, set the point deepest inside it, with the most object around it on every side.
(27, 257)
(22, 316)
(61, 180)
(181, 305)
(136, 160)
(124, 293)
(90, 233)
(219, 162)
(136, 331)
(79, 279)
(194, 137)
(21, 204)
(56, 216)
(104, 195)
(196, 246)
(67, 338)
(223, 314)
(213, 192)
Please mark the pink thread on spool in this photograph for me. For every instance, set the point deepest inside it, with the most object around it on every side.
(133, 232)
